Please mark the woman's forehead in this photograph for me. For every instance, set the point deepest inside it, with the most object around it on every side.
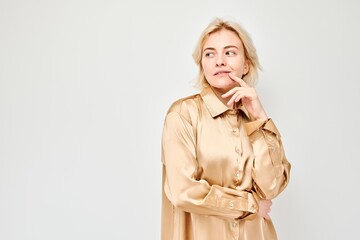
(221, 39)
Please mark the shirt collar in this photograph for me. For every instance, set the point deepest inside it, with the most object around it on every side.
(215, 106)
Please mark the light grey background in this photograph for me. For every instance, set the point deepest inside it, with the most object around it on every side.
(85, 85)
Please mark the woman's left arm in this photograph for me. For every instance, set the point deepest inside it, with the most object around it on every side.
(271, 169)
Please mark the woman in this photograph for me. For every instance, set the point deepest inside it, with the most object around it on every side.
(223, 160)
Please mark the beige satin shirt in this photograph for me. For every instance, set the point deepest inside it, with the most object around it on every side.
(217, 165)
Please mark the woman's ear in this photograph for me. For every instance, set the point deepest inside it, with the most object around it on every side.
(246, 67)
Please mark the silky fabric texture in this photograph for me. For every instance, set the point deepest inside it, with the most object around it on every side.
(217, 164)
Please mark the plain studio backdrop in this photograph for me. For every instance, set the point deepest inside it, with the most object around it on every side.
(85, 86)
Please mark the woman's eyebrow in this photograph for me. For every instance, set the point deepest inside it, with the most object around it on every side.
(226, 47)
(231, 46)
(209, 48)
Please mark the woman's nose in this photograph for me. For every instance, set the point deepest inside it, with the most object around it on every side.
(220, 61)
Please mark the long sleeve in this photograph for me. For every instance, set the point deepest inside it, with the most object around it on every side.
(271, 170)
(181, 185)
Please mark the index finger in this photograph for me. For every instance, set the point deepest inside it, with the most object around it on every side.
(238, 80)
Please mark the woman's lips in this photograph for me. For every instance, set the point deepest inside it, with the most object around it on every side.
(222, 73)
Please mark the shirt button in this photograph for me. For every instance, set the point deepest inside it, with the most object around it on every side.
(234, 224)
(231, 204)
(252, 207)
(235, 130)
(237, 149)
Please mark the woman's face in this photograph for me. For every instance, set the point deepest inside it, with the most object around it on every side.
(223, 52)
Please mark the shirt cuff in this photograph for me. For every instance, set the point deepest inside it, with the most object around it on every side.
(266, 124)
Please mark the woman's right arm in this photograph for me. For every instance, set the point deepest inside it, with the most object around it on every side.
(181, 186)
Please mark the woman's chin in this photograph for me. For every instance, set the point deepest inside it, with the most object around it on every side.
(224, 87)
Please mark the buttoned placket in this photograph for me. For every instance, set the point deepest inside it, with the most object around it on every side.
(233, 120)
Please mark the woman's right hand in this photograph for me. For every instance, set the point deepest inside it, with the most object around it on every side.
(264, 208)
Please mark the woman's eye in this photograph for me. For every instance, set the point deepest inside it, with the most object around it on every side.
(230, 53)
(209, 54)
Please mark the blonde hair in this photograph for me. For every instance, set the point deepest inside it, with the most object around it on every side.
(250, 51)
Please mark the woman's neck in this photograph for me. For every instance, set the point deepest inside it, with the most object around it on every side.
(218, 92)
